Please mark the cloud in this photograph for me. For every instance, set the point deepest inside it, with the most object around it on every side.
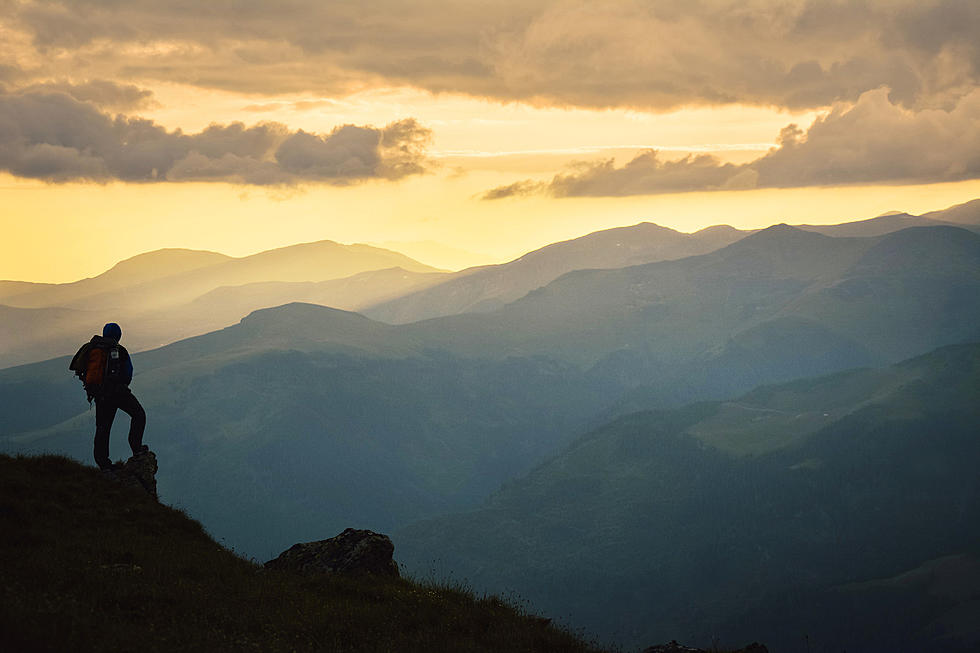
(872, 141)
(517, 189)
(654, 55)
(53, 136)
(101, 92)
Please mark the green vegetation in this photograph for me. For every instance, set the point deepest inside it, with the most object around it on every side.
(87, 565)
(314, 442)
(665, 525)
(306, 419)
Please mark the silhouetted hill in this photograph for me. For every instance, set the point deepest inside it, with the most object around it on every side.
(168, 295)
(785, 302)
(883, 224)
(137, 270)
(349, 293)
(486, 288)
(227, 305)
(844, 508)
(169, 283)
(89, 565)
(967, 213)
(403, 422)
(305, 401)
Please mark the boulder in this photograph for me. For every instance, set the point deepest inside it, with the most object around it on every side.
(674, 647)
(352, 552)
(140, 471)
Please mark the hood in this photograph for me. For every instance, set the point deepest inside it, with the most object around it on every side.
(112, 331)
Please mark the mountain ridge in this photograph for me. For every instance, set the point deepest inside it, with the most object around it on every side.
(740, 514)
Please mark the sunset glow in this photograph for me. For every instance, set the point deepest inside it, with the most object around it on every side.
(559, 155)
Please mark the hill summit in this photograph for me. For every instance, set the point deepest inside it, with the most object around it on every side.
(89, 564)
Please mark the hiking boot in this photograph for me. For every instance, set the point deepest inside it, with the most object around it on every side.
(143, 449)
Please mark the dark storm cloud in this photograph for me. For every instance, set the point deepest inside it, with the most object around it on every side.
(53, 136)
(659, 55)
(873, 141)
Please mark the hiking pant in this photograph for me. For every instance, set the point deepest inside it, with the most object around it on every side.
(105, 411)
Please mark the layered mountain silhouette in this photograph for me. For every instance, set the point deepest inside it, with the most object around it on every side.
(483, 289)
(168, 295)
(779, 304)
(304, 419)
(172, 277)
(403, 422)
(486, 288)
(171, 294)
(844, 508)
(966, 215)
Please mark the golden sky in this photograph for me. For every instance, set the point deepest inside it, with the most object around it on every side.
(487, 128)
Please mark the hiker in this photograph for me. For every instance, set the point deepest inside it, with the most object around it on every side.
(105, 368)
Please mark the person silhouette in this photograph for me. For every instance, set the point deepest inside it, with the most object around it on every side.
(106, 370)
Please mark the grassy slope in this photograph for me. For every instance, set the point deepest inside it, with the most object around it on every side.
(673, 524)
(87, 565)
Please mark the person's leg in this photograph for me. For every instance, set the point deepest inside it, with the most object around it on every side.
(137, 424)
(105, 412)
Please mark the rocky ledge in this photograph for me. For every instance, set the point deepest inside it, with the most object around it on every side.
(140, 471)
(352, 552)
(674, 647)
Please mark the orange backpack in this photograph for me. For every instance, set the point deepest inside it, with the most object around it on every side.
(98, 366)
(98, 359)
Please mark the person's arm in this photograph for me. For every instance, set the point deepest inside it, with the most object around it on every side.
(127, 366)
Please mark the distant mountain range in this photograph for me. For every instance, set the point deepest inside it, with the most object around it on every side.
(483, 289)
(823, 507)
(779, 304)
(400, 422)
(170, 277)
(167, 295)
(302, 419)
(170, 294)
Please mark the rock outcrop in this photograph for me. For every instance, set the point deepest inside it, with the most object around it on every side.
(674, 647)
(352, 552)
(140, 471)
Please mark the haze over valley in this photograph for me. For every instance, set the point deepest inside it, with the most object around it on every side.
(631, 326)
(306, 417)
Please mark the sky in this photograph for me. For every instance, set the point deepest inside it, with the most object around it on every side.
(464, 132)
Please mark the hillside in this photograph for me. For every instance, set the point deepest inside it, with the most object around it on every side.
(486, 288)
(779, 304)
(817, 507)
(304, 401)
(139, 269)
(967, 213)
(885, 224)
(483, 289)
(164, 296)
(89, 565)
(400, 423)
(171, 277)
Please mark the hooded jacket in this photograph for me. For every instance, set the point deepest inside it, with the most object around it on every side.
(80, 360)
